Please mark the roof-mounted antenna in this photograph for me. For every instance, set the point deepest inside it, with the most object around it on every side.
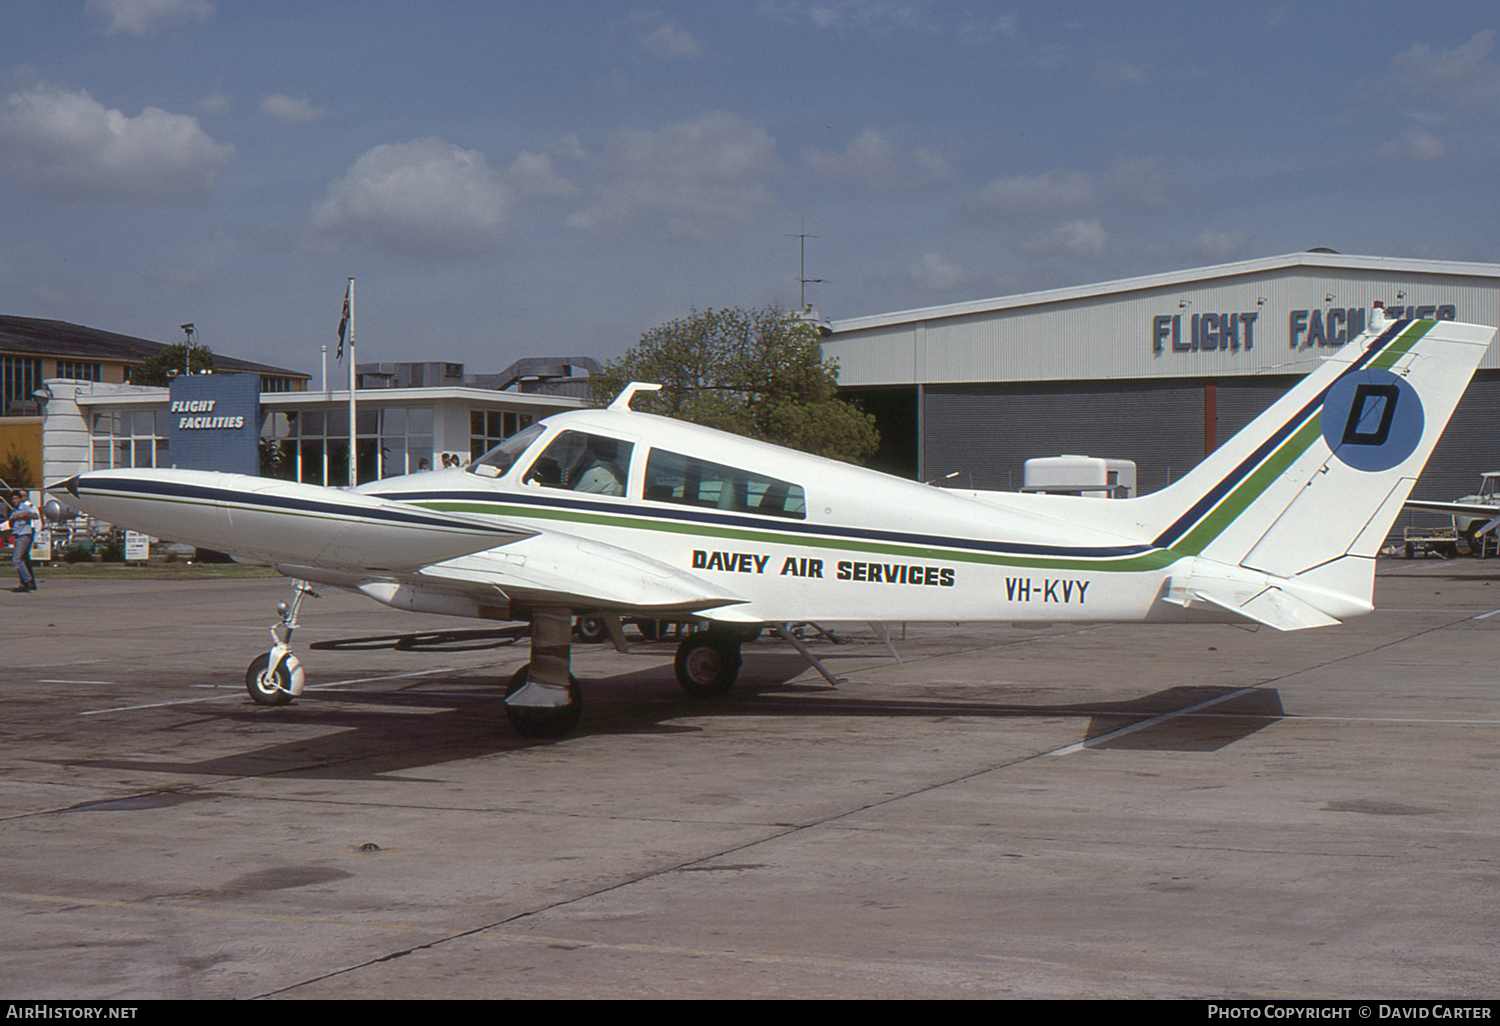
(622, 401)
(803, 281)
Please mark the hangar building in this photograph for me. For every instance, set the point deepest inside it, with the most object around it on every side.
(1157, 369)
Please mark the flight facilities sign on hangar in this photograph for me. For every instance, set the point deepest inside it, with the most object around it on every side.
(214, 422)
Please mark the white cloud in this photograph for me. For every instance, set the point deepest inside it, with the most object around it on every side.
(691, 179)
(66, 144)
(1084, 238)
(1464, 76)
(1024, 194)
(871, 17)
(215, 104)
(1219, 246)
(664, 39)
(935, 271)
(1117, 74)
(1148, 183)
(424, 198)
(874, 161)
(291, 110)
(533, 175)
(147, 17)
(1416, 144)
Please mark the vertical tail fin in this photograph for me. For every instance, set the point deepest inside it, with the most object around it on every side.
(1322, 474)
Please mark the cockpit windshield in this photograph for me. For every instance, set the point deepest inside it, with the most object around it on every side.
(503, 456)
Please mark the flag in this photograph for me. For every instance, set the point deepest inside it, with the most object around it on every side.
(344, 323)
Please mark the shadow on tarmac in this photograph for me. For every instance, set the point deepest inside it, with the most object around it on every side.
(370, 733)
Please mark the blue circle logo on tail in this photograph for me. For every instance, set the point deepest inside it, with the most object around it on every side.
(1372, 419)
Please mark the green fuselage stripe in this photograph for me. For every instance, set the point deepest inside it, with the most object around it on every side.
(1250, 489)
(1123, 564)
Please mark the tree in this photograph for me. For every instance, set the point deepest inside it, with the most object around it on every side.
(758, 373)
(154, 371)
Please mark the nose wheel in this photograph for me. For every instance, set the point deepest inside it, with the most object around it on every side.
(268, 686)
(275, 677)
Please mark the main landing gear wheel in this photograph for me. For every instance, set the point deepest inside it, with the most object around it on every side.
(541, 723)
(268, 687)
(707, 664)
(591, 630)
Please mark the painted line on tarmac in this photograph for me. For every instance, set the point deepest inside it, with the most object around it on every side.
(153, 907)
(235, 692)
(1153, 721)
(1196, 710)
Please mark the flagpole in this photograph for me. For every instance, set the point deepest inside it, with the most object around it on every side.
(353, 433)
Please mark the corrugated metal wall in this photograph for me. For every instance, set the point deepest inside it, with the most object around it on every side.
(985, 433)
(1111, 335)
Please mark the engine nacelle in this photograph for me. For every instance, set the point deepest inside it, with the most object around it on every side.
(419, 599)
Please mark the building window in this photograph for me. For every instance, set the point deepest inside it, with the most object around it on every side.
(130, 438)
(268, 384)
(19, 377)
(79, 370)
(312, 446)
(488, 428)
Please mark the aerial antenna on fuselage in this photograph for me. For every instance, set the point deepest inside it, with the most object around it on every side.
(622, 401)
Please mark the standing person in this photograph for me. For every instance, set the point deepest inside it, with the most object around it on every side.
(23, 521)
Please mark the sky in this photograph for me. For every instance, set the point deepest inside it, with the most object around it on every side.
(513, 178)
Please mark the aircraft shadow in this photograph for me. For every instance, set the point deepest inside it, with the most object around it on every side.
(375, 733)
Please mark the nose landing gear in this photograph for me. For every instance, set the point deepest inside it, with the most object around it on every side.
(276, 677)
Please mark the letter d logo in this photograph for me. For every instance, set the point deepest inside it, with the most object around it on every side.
(1372, 419)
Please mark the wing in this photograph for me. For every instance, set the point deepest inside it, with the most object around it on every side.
(552, 569)
(264, 520)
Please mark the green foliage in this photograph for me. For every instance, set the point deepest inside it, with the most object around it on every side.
(759, 373)
(155, 371)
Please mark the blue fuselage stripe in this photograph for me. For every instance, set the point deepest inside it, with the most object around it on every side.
(770, 524)
(173, 491)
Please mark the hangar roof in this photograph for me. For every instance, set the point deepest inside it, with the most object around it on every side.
(1310, 259)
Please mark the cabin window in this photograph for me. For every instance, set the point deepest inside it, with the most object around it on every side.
(500, 459)
(582, 462)
(671, 477)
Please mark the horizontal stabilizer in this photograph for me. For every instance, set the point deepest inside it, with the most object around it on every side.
(1274, 608)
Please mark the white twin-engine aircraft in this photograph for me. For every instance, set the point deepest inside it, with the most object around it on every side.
(615, 513)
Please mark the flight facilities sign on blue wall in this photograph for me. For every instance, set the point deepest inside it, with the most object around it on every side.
(215, 422)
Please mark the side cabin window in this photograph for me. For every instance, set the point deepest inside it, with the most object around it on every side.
(671, 477)
(503, 456)
(585, 463)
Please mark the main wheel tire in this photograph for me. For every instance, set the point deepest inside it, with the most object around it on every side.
(1474, 539)
(543, 723)
(707, 664)
(265, 686)
(591, 629)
